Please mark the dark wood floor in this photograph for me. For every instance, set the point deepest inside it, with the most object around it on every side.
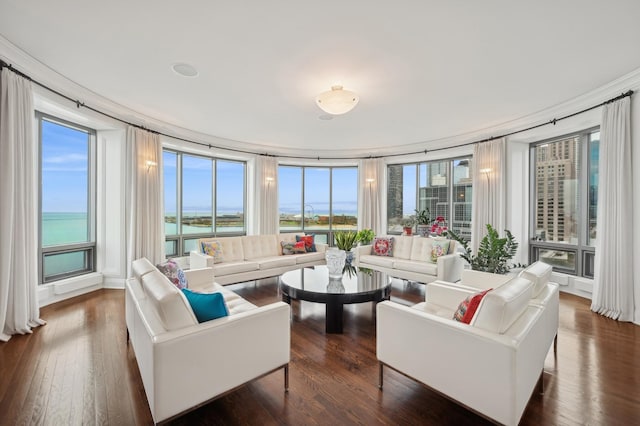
(78, 369)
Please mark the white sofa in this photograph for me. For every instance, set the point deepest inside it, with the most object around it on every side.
(183, 363)
(411, 260)
(490, 366)
(253, 257)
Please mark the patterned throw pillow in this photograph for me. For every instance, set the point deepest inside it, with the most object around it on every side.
(173, 272)
(468, 307)
(383, 246)
(309, 244)
(292, 248)
(213, 249)
(439, 248)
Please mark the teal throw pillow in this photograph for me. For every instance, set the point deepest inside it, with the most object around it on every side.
(206, 306)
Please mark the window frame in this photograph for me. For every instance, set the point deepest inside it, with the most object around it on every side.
(452, 201)
(179, 240)
(89, 248)
(583, 252)
(330, 233)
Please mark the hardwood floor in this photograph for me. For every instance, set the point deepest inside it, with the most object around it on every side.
(78, 369)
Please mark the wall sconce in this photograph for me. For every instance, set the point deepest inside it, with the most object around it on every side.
(486, 172)
(370, 181)
(268, 179)
(150, 164)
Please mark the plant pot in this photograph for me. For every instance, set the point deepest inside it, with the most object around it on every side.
(335, 262)
(408, 230)
(423, 230)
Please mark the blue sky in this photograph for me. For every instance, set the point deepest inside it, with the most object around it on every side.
(64, 169)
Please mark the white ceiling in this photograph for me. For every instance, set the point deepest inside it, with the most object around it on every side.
(424, 70)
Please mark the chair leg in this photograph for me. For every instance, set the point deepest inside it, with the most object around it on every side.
(555, 345)
(286, 378)
(380, 374)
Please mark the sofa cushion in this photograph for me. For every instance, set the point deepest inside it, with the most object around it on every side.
(421, 249)
(383, 246)
(433, 309)
(402, 246)
(377, 260)
(309, 243)
(309, 257)
(439, 248)
(227, 268)
(257, 246)
(539, 274)
(174, 273)
(468, 307)
(503, 306)
(169, 303)
(213, 249)
(235, 303)
(206, 306)
(276, 262)
(416, 266)
(141, 267)
(289, 248)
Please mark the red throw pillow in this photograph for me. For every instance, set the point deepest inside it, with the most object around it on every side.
(468, 307)
(383, 246)
(309, 243)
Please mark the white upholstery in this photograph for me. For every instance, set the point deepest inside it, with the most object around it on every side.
(482, 280)
(183, 366)
(169, 303)
(253, 257)
(411, 260)
(539, 274)
(493, 373)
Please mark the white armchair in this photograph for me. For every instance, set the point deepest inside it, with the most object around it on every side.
(491, 365)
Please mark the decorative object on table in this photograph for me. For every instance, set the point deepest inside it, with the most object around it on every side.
(365, 236)
(422, 220)
(335, 262)
(407, 225)
(346, 240)
(493, 254)
(439, 226)
(335, 286)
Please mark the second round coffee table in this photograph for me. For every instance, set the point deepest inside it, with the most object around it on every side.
(314, 285)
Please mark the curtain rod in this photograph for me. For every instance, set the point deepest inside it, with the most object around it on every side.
(79, 104)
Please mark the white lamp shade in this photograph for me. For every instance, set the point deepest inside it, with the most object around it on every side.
(337, 100)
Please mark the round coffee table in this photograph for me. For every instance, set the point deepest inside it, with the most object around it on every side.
(356, 286)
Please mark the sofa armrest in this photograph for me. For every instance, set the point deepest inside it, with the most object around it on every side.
(200, 279)
(199, 362)
(450, 267)
(321, 247)
(362, 250)
(483, 280)
(199, 260)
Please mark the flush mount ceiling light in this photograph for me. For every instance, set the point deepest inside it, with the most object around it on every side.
(184, 70)
(337, 100)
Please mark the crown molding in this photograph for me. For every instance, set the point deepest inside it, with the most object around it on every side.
(37, 70)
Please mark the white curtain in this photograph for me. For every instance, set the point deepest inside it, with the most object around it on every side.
(613, 286)
(145, 210)
(489, 189)
(370, 212)
(267, 195)
(19, 310)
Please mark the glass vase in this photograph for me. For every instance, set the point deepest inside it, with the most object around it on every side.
(335, 262)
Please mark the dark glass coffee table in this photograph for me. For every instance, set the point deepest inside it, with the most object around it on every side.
(356, 286)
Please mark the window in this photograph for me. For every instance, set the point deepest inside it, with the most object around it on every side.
(443, 187)
(564, 202)
(203, 197)
(318, 200)
(67, 194)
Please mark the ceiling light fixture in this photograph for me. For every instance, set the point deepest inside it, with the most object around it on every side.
(337, 100)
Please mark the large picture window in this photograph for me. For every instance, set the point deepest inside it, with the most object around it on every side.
(442, 187)
(67, 199)
(318, 200)
(203, 197)
(564, 201)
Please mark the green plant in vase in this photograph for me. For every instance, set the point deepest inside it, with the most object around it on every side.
(493, 254)
(365, 236)
(423, 220)
(346, 240)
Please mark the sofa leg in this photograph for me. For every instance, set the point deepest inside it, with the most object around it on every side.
(127, 335)
(380, 375)
(286, 378)
(555, 345)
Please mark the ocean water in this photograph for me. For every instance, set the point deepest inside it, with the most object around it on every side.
(64, 228)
